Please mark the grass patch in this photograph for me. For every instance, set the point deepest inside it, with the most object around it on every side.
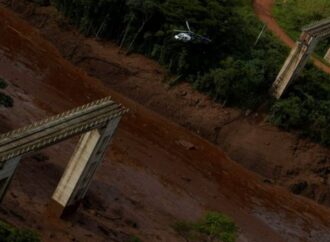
(292, 15)
(213, 227)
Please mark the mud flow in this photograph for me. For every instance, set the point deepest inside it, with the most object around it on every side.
(156, 172)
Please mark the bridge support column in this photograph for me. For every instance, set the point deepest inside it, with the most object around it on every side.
(80, 170)
(327, 56)
(294, 64)
(6, 174)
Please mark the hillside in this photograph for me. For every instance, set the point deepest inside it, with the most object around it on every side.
(233, 69)
(153, 161)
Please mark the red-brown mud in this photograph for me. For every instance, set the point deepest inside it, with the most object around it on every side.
(295, 163)
(149, 178)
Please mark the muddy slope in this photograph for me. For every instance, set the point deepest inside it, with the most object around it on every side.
(152, 179)
(297, 164)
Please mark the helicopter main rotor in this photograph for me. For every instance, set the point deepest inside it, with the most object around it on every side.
(189, 36)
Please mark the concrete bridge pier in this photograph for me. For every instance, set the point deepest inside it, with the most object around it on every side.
(80, 170)
(97, 120)
(6, 174)
(327, 56)
(294, 64)
(299, 55)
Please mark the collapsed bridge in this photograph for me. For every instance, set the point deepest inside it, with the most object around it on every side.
(299, 55)
(96, 121)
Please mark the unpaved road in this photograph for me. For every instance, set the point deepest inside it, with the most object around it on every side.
(152, 179)
(263, 9)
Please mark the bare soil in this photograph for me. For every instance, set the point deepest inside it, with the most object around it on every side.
(159, 171)
(286, 159)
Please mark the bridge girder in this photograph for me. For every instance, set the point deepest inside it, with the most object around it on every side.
(97, 121)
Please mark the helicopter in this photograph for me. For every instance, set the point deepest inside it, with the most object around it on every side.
(189, 36)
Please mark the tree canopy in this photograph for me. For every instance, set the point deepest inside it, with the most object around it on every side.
(233, 68)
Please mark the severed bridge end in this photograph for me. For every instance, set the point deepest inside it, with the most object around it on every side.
(96, 122)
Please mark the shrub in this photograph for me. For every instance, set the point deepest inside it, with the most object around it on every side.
(306, 107)
(134, 238)
(212, 227)
(11, 234)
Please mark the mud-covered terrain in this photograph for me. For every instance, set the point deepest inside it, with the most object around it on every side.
(286, 159)
(155, 173)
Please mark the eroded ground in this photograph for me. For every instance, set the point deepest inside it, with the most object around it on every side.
(152, 179)
(297, 164)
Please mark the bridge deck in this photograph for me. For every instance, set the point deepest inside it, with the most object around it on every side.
(58, 128)
(316, 25)
(318, 29)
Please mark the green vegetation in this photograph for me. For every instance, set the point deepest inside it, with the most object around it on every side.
(292, 15)
(307, 106)
(212, 227)
(11, 234)
(147, 26)
(134, 238)
(232, 69)
(4, 99)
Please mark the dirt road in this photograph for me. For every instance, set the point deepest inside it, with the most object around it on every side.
(152, 179)
(263, 9)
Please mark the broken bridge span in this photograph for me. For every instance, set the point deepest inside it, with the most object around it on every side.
(96, 122)
(299, 55)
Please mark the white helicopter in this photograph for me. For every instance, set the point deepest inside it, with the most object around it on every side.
(189, 36)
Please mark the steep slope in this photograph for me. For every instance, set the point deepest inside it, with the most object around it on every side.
(152, 178)
(247, 137)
